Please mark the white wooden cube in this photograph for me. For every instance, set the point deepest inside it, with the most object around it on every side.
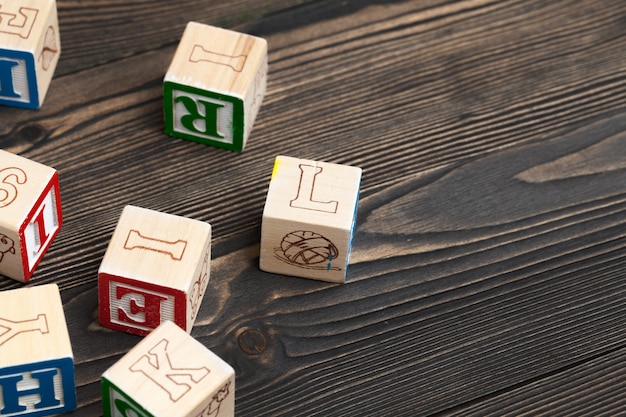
(169, 373)
(156, 268)
(309, 219)
(30, 214)
(36, 361)
(214, 86)
(29, 51)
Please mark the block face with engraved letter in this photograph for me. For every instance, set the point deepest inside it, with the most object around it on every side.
(156, 268)
(167, 374)
(36, 361)
(30, 214)
(309, 219)
(214, 86)
(29, 51)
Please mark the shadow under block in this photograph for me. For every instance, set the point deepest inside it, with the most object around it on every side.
(36, 361)
(30, 214)
(214, 86)
(29, 51)
(309, 218)
(169, 373)
(156, 268)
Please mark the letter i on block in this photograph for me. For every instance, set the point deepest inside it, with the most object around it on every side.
(30, 214)
(214, 86)
(156, 268)
(29, 51)
(309, 219)
(169, 373)
(36, 361)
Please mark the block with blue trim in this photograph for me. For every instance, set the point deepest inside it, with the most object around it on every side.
(36, 361)
(29, 51)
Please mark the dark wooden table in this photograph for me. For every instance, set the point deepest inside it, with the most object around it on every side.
(488, 273)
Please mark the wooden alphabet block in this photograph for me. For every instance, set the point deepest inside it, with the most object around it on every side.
(309, 218)
(156, 268)
(30, 214)
(214, 86)
(167, 374)
(36, 361)
(29, 51)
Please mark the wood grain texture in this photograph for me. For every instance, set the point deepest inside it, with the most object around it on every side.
(96, 32)
(490, 250)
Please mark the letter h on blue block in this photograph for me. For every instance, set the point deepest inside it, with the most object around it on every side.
(37, 389)
(36, 361)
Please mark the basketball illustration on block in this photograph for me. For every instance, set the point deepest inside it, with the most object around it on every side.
(307, 249)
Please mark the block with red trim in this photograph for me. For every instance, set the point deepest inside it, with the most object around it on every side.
(169, 373)
(156, 268)
(36, 361)
(30, 214)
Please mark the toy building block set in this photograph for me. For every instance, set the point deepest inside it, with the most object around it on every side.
(156, 268)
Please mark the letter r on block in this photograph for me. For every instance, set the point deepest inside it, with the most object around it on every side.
(204, 116)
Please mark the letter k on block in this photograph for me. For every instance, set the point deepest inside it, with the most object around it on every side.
(169, 373)
(157, 366)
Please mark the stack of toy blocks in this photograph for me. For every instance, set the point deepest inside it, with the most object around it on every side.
(309, 218)
(36, 362)
(30, 214)
(214, 86)
(156, 268)
(168, 374)
(29, 51)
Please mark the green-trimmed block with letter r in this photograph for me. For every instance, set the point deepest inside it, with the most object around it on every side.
(214, 86)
